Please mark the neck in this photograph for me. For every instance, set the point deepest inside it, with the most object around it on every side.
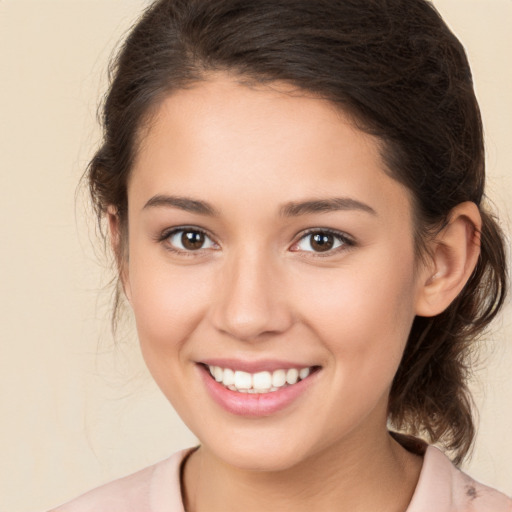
(370, 473)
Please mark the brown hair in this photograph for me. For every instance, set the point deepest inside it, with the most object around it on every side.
(398, 70)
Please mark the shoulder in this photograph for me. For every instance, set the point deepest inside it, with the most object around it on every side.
(444, 488)
(151, 489)
(122, 494)
(474, 496)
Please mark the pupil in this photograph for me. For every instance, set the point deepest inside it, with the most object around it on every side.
(192, 240)
(322, 242)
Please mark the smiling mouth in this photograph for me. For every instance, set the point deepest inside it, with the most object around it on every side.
(260, 382)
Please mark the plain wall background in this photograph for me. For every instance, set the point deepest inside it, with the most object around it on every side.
(75, 411)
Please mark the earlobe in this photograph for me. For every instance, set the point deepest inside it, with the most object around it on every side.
(116, 243)
(455, 253)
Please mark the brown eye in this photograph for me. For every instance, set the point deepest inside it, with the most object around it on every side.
(188, 240)
(192, 240)
(321, 242)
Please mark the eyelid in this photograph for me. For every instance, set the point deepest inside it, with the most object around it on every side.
(347, 241)
(166, 234)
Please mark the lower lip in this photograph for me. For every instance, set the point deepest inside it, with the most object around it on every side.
(254, 404)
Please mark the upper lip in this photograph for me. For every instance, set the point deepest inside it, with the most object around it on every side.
(268, 365)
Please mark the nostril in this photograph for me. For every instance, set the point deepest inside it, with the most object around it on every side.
(249, 305)
(252, 322)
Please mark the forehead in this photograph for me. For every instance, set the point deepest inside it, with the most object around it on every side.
(228, 110)
(227, 140)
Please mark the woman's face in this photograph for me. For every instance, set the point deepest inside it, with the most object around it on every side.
(266, 240)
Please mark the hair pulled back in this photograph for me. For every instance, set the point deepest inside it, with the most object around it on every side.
(403, 76)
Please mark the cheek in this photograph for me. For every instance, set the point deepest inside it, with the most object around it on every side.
(167, 301)
(168, 304)
(363, 316)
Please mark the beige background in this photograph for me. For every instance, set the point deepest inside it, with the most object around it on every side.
(75, 412)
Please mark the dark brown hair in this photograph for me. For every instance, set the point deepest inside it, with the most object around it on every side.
(403, 76)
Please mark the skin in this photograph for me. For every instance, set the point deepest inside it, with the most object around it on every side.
(257, 290)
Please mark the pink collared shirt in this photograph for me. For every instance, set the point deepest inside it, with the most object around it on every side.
(441, 488)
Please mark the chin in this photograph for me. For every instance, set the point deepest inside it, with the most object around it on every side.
(262, 459)
(260, 452)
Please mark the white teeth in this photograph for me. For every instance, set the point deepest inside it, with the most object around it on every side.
(261, 382)
(292, 376)
(279, 378)
(304, 373)
(228, 378)
(218, 373)
(243, 380)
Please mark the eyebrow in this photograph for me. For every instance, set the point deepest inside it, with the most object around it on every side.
(291, 209)
(183, 203)
(295, 209)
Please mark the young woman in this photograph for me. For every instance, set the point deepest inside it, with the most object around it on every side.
(294, 194)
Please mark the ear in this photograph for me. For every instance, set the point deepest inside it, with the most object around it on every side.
(455, 253)
(116, 242)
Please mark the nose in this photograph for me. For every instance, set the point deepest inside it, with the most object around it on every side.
(251, 304)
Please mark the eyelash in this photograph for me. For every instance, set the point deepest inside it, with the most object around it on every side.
(167, 234)
(346, 241)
